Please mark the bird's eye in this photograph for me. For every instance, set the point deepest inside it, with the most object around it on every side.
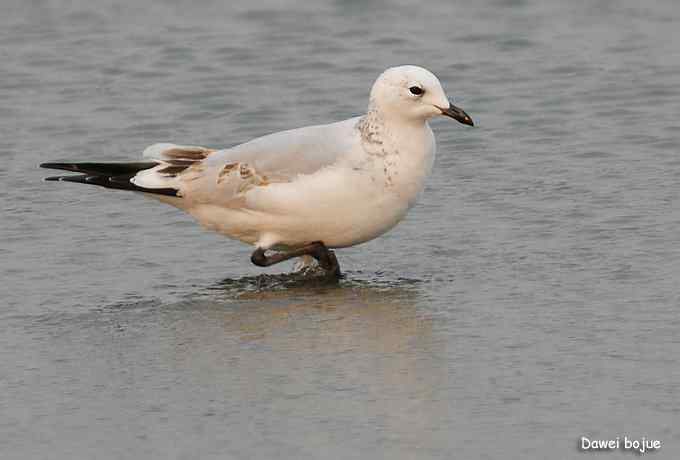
(416, 90)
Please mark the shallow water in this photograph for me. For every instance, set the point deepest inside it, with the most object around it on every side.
(530, 298)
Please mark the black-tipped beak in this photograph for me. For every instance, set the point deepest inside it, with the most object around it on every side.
(457, 114)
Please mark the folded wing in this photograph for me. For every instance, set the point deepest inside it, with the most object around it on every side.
(223, 177)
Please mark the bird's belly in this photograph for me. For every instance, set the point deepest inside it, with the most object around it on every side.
(339, 209)
(354, 223)
(346, 226)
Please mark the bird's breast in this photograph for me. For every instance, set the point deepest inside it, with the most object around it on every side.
(401, 172)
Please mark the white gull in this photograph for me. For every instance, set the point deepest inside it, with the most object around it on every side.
(300, 192)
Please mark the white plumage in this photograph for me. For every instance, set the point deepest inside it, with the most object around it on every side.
(341, 184)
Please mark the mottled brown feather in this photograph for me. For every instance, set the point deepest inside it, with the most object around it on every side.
(198, 153)
(226, 169)
(172, 170)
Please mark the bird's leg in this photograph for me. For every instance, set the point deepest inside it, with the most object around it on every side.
(304, 264)
(318, 250)
(326, 259)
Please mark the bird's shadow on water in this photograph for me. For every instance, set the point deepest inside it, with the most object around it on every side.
(314, 284)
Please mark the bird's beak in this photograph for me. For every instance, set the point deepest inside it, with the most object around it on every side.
(457, 114)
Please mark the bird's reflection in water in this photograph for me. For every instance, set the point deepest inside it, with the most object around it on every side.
(263, 302)
(265, 362)
(361, 351)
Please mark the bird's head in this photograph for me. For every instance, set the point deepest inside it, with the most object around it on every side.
(413, 93)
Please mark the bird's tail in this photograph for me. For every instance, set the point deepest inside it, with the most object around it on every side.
(109, 175)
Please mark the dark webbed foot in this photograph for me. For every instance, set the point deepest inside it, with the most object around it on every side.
(318, 250)
(259, 258)
(327, 259)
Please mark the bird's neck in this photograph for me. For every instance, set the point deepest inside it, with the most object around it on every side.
(381, 132)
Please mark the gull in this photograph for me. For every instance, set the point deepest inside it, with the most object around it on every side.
(301, 192)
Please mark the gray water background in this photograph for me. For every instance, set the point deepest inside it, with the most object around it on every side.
(531, 297)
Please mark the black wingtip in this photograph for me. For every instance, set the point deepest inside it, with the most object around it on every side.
(71, 167)
(102, 169)
(109, 175)
(64, 166)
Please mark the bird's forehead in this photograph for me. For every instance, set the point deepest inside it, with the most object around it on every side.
(404, 75)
